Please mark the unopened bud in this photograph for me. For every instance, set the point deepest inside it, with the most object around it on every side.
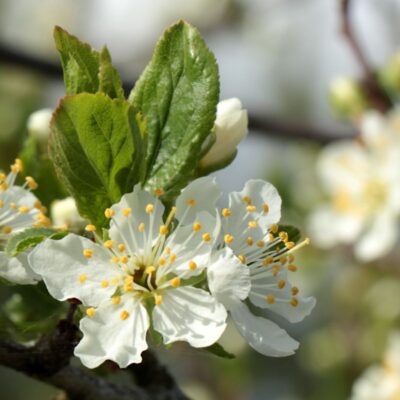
(39, 124)
(65, 215)
(389, 76)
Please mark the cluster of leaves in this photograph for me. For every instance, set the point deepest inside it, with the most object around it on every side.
(102, 144)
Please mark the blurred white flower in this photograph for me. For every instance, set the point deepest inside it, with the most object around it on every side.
(362, 180)
(64, 214)
(39, 124)
(381, 382)
(230, 129)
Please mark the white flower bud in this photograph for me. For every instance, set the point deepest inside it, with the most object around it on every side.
(39, 124)
(65, 215)
(230, 129)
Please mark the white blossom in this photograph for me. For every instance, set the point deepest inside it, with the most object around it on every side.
(143, 271)
(381, 381)
(362, 180)
(64, 214)
(19, 209)
(264, 259)
(230, 129)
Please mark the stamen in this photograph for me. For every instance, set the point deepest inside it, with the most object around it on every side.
(88, 253)
(270, 299)
(149, 208)
(163, 230)
(150, 269)
(260, 243)
(274, 228)
(294, 302)
(226, 212)
(192, 265)
(121, 247)
(109, 244)
(281, 284)
(116, 300)
(7, 230)
(109, 213)
(172, 258)
(90, 228)
(228, 239)
(124, 259)
(31, 183)
(175, 282)
(295, 290)
(126, 212)
(82, 278)
(141, 227)
(124, 315)
(90, 312)
(251, 208)
(242, 258)
(289, 245)
(104, 284)
(206, 237)
(252, 224)
(250, 241)
(283, 236)
(158, 192)
(268, 260)
(196, 226)
(292, 268)
(191, 202)
(115, 260)
(23, 209)
(265, 208)
(114, 281)
(247, 199)
(158, 299)
(162, 261)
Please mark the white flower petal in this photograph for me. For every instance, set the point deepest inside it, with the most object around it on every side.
(228, 278)
(122, 228)
(191, 315)
(67, 273)
(106, 336)
(263, 335)
(379, 239)
(17, 269)
(202, 193)
(268, 285)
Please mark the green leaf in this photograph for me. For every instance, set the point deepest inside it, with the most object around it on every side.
(219, 351)
(177, 93)
(110, 81)
(96, 147)
(85, 69)
(28, 238)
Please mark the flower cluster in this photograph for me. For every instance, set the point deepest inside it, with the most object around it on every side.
(19, 209)
(179, 271)
(362, 180)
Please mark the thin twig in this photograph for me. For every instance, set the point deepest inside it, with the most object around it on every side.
(376, 95)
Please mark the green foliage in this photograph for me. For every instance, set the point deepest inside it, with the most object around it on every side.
(85, 69)
(96, 146)
(177, 93)
(27, 239)
(219, 351)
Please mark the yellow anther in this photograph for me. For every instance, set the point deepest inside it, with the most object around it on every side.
(13, 205)
(270, 237)
(128, 287)
(226, 212)
(283, 260)
(82, 278)
(260, 243)
(124, 315)
(275, 269)
(250, 241)
(192, 265)
(206, 237)
(158, 299)
(292, 268)
(290, 258)
(116, 300)
(23, 209)
(141, 227)
(191, 202)
(17, 166)
(268, 260)
(252, 224)
(121, 247)
(2, 177)
(196, 226)
(175, 282)
(126, 212)
(289, 245)
(283, 236)
(90, 228)
(149, 208)
(172, 258)
(109, 213)
(158, 192)
(31, 183)
(228, 239)
(270, 299)
(88, 253)
(162, 261)
(265, 208)
(114, 281)
(90, 312)
(128, 280)
(274, 228)
(115, 260)
(167, 251)
(7, 230)
(150, 269)
(163, 230)
(242, 258)
(295, 290)
(251, 208)
(109, 244)
(4, 186)
(124, 259)
(104, 284)
(294, 302)
(281, 284)
(1, 203)
(247, 199)
(38, 205)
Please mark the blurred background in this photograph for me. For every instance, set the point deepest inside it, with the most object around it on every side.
(279, 57)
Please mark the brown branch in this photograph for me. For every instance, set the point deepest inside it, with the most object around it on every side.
(374, 92)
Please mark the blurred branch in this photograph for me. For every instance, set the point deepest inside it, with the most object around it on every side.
(267, 125)
(48, 361)
(376, 95)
